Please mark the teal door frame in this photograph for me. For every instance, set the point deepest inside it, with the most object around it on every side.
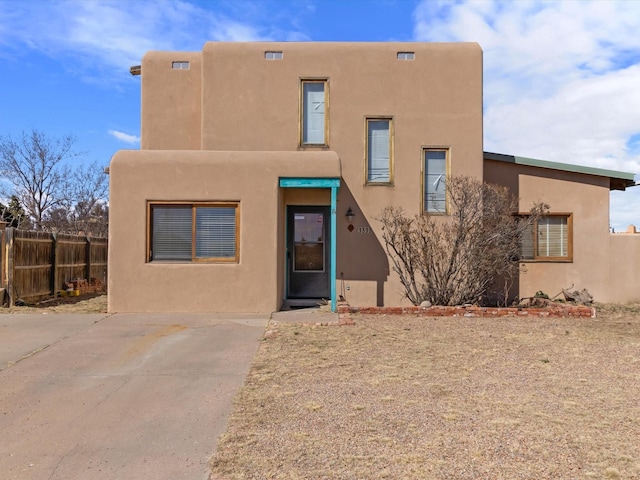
(334, 185)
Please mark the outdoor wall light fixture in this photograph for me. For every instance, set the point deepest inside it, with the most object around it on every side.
(350, 215)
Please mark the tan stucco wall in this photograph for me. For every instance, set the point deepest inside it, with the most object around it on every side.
(232, 99)
(587, 198)
(623, 269)
(171, 102)
(252, 285)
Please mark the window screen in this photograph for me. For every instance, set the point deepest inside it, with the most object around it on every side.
(548, 239)
(313, 113)
(194, 232)
(435, 181)
(378, 151)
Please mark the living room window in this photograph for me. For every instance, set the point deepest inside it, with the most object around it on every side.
(434, 180)
(550, 239)
(379, 151)
(314, 120)
(194, 232)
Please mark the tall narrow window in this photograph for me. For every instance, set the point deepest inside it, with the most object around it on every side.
(549, 239)
(379, 150)
(435, 181)
(194, 232)
(313, 110)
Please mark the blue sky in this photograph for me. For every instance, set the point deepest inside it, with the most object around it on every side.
(561, 79)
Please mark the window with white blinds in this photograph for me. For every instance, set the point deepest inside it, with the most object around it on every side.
(549, 239)
(434, 183)
(379, 150)
(194, 232)
(313, 122)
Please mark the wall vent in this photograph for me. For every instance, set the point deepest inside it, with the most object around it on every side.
(270, 55)
(406, 55)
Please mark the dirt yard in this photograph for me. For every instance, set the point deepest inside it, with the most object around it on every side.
(441, 398)
(82, 304)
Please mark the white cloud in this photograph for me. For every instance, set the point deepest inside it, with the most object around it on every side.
(124, 137)
(105, 37)
(560, 79)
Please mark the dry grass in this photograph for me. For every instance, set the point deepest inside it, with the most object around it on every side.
(445, 398)
(83, 304)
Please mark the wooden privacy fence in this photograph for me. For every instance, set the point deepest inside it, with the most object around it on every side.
(39, 264)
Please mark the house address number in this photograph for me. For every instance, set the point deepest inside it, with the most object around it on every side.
(365, 230)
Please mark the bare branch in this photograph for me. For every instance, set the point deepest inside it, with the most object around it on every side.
(457, 259)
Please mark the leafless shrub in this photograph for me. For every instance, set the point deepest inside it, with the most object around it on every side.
(456, 259)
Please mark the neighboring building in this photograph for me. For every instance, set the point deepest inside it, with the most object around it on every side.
(264, 165)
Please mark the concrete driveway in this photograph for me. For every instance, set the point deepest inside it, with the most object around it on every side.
(118, 396)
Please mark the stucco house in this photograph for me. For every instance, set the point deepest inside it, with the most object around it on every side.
(263, 165)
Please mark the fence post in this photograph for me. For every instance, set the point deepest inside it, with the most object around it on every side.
(87, 259)
(55, 287)
(3, 255)
(10, 266)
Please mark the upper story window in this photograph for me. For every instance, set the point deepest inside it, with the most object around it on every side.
(194, 232)
(272, 55)
(550, 239)
(180, 65)
(434, 182)
(314, 122)
(406, 56)
(379, 150)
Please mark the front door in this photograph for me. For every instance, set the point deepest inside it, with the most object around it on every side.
(308, 252)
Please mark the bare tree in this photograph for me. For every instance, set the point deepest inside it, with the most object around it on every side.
(34, 166)
(456, 259)
(54, 196)
(86, 206)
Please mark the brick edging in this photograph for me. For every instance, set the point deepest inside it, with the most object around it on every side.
(345, 311)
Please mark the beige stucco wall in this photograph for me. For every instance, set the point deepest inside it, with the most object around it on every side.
(255, 283)
(232, 99)
(171, 102)
(596, 255)
(623, 269)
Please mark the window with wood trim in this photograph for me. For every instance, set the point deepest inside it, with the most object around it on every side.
(314, 118)
(194, 232)
(435, 165)
(550, 239)
(379, 151)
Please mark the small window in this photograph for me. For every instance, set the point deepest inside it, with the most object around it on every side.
(180, 65)
(273, 55)
(434, 182)
(406, 55)
(549, 239)
(313, 113)
(379, 150)
(199, 232)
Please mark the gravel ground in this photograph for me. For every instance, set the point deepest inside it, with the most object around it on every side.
(445, 398)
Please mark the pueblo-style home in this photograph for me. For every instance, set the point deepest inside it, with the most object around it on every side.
(263, 166)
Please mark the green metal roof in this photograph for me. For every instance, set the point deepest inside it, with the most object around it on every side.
(619, 180)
